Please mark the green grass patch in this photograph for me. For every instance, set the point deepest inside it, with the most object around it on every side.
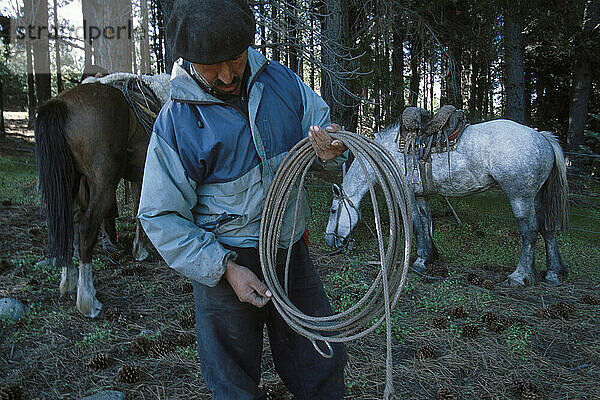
(98, 335)
(18, 179)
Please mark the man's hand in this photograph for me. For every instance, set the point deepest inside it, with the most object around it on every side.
(326, 148)
(246, 285)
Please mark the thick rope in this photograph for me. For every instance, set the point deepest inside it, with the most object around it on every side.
(377, 303)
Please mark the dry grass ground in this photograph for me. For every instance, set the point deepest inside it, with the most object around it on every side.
(516, 351)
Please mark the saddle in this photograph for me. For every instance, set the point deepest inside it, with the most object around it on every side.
(420, 136)
(141, 99)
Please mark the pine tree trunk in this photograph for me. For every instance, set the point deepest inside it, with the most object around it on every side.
(166, 6)
(274, 34)
(582, 76)
(336, 33)
(474, 79)
(415, 76)
(513, 58)
(89, 19)
(145, 63)
(41, 53)
(59, 81)
(31, 101)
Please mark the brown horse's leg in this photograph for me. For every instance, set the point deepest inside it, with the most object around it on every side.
(139, 250)
(68, 276)
(100, 205)
(109, 231)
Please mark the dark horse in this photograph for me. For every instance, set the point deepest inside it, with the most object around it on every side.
(87, 139)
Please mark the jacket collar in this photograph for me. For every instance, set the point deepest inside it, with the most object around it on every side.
(185, 89)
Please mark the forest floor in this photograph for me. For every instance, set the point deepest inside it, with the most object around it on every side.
(538, 342)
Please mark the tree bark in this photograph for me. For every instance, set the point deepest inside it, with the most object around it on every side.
(41, 51)
(274, 34)
(31, 101)
(336, 33)
(415, 75)
(89, 18)
(145, 63)
(166, 6)
(582, 76)
(59, 81)
(513, 59)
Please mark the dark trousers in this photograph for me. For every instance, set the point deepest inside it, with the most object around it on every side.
(230, 336)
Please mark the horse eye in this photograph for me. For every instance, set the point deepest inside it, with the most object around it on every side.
(333, 210)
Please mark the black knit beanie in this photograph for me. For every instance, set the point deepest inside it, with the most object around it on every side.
(210, 31)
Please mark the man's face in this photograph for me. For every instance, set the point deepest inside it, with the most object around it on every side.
(224, 77)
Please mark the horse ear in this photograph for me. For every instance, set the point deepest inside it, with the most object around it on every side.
(337, 192)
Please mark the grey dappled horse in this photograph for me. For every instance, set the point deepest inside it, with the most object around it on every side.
(528, 165)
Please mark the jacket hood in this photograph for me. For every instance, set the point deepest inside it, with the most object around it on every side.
(185, 89)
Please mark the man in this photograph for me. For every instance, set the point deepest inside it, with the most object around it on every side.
(216, 145)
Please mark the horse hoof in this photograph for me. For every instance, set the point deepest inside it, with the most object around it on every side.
(68, 281)
(419, 267)
(553, 279)
(518, 282)
(89, 307)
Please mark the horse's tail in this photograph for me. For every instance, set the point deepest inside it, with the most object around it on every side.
(56, 175)
(555, 190)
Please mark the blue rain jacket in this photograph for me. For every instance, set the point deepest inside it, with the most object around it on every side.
(208, 167)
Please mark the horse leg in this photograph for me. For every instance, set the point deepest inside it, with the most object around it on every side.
(68, 274)
(524, 211)
(109, 231)
(423, 227)
(139, 250)
(99, 206)
(556, 268)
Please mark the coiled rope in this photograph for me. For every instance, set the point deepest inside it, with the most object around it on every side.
(376, 305)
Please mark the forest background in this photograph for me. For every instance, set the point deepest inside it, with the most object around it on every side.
(534, 61)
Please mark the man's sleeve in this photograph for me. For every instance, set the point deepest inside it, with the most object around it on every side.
(316, 112)
(165, 211)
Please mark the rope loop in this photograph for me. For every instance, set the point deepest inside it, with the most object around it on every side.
(377, 303)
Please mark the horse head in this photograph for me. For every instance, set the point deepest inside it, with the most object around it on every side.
(343, 217)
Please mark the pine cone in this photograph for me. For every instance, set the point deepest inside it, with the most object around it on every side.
(11, 393)
(470, 331)
(129, 374)
(589, 299)
(186, 339)
(565, 308)
(425, 352)
(490, 317)
(458, 312)
(525, 390)
(437, 270)
(544, 312)
(440, 322)
(445, 394)
(161, 348)
(187, 320)
(487, 284)
(186, 287)
(140, 346)
(99, 361)
(474, 279)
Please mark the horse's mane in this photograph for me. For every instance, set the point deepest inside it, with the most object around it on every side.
(387, 134)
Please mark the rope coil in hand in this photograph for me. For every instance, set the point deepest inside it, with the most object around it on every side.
(379, 300)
